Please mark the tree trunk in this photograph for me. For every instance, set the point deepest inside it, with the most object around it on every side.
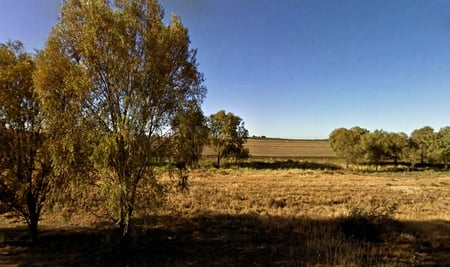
(123, 225)
(127, 241)
(124, 234)
(33, 227)
(124, 219)
(34, 216)
(127, 244)
(218, 160)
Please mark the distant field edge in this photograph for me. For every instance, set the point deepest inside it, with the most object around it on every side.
(285, 148)
(286, 139)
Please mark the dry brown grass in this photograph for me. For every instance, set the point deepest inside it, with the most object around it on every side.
(247, 217)
(315, 194)
(295, 200)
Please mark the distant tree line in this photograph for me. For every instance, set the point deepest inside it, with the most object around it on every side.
(114, 94)
(423, 146)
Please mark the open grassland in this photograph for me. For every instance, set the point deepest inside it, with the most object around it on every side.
(248, 217)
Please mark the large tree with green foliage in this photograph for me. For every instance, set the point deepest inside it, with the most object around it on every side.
(442, 145)
(422, 142)
(374, 146)
(397, 146)
(227, 135)
(25, 168)
(346, 143)
(114, 74)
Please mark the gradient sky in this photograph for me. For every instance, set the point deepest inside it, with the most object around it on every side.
(301, 68)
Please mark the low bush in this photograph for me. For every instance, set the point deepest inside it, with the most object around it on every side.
(368, 223)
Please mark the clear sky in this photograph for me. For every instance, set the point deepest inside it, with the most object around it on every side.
(301, 68)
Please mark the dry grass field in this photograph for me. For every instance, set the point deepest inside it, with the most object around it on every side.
(247, 217)
(265, 216)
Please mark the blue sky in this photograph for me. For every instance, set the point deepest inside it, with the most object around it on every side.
(301, 68)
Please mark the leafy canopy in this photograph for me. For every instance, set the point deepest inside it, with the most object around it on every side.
(111, 78)
(227, 135)
(25, 168)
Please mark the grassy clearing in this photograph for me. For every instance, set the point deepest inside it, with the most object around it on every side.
(248, 217)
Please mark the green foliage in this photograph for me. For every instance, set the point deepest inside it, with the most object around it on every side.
(397, 146)
(442, 145)
(227, 136)
(375, 147)
(111, 79)
(347, 143)
(190, 135)
(422, 142)
(425, 146)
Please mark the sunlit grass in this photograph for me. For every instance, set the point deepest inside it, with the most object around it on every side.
(287, 217)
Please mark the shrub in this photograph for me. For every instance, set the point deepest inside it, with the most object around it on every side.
(369, 222)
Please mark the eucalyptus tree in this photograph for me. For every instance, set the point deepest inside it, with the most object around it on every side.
(397, 146)
(442, 145)
(25, 168)
(190, 131)
(346, 143)
(115, 74)
(227, 135)
(422, 142)
(375, 147)
(190, 134)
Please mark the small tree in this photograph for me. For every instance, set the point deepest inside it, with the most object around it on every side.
(25, 168)
(227, 136)
(190, 136)
(114, 74)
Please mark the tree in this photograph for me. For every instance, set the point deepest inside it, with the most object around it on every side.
(374, 146)
(396, 146)
(190, 136)
(346, 143)
(114, 74)
(227, 135)
(442, 145)
(25, 168)
(422, 142)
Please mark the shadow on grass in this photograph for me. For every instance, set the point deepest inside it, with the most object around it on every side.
(231, 240)
(287, 164)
